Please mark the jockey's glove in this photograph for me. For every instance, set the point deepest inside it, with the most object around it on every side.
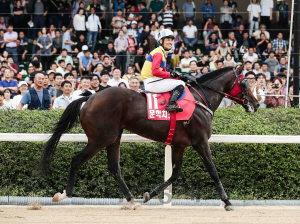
(174, 75)
(183, 78)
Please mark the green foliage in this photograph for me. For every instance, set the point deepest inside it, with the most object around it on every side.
(248, 171)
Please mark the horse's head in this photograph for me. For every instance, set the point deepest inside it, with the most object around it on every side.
(241, 91)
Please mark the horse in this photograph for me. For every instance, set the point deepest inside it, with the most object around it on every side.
(107, 113)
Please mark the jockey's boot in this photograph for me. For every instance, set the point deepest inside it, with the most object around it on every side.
(172, 102)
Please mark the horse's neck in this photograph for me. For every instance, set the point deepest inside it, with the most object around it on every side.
(221, 84)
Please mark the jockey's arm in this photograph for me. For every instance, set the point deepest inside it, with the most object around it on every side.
(156, 62)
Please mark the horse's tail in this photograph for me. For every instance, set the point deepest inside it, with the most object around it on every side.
(68, 119)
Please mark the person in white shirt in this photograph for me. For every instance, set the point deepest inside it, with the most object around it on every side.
(254, 15)
(250, 56)
(92, 26)
(7, 98)
(257, 68)
(266, 12)
(85, 84)
(254, 88)
(185, 62)
(190, 34)
(79, 23)
(116, 80)
(81, 53)
(17, 99)
(65, 99)
(257, 33)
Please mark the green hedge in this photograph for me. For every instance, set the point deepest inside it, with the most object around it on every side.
(248, 171)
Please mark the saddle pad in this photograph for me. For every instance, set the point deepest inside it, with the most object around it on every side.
(157, 102)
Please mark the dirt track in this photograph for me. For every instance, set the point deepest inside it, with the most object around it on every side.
(151, 214)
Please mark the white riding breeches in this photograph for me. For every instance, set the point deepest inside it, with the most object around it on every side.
(159, 85)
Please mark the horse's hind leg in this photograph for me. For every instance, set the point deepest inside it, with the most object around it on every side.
(205, 154)
(77, 161)
(113, 156)
(177, 155)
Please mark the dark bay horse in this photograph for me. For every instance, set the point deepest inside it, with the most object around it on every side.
(107, 113)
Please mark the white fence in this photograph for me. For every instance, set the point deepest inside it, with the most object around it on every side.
(168, 152)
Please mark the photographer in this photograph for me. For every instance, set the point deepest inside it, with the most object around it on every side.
(276, 101)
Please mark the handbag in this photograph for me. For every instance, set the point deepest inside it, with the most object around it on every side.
(255, 19)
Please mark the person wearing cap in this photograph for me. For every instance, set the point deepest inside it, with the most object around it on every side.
(17, 99)
(51, 89)
(83, 49)
(132, 15)
(156, 78)
(223, 50)
(272, 62)
(64, 55)
(51, 75)
(133, 28)
(92, 25)
(85, 63)
(36, 97)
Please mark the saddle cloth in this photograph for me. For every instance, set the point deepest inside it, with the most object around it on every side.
(157, 102)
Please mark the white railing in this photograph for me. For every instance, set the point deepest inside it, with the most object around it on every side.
(287, 139)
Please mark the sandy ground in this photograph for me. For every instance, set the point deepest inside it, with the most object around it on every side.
(151, 214)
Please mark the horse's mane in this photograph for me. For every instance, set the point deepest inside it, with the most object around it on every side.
(213, 75)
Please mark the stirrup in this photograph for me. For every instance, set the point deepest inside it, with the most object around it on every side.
(173, 107)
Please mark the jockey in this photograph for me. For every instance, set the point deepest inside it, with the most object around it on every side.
(156, 78)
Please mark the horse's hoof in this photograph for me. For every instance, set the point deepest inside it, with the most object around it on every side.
(130, 206)
(229, 208)
(146, 197)
(58, 196)
(137, 206)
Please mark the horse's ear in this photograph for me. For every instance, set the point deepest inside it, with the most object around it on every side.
(239, 68)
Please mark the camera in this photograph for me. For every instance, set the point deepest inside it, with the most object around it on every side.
(275, 86)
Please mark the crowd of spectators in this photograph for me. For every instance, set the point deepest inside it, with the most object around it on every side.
(59, 39)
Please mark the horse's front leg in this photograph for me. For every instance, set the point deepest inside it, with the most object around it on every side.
(177, 155)
(205, 154)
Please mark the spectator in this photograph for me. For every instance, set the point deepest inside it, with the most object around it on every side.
(282, 15)
(266, 52)
(119, 5)
(271, 62)
(254, 89)
(22, 44)
(226, 19)
(98, 69)
(157, 7)
(19, 20)
(282, 64)
(223, 50)
(85, 63)
(2, 42)
(95, 60)
(121, 46)
(8, 82)
(79, 23)
(144, 12)
(233, 6)
(213, 64)
(194, 73)
(208, 10)
(219, 64)
(10, 38)
(198, 55)
(61, 66)
(250, 56)
(261, 84)
(265, 72)
(279, 42)
(189, 11)
(257, 68)
(95, 83)
(132, 15)
(104, 80)
(2, 105)
(2, 23)
(85, 83)
(276, 101)
(75, 7)
(64, 56)
(229, 62)
(122, 85)
(81, 53)
(139, 59)
(66, 98)
(134, 31)
(168, 16)
(49, 87)
(131, 73)
(106, 64)
(58, 78)
(117, 23)
(14, 68)
(209, 25)
(5, 11)
(237, 22)
(254, 15)
(57, 43)
(216, 31)
(232, 44)
(110, 51)
(282, 77)
(134, 83)
(7, 98)
(116, 80)
(92, 26)
(64, 14)
(17, 99)
(36, 97)
(262, 44)
(67, 42)
(266, 12)
(212, 43)
(100, 10)
(204, 62)
(248, 67)
(257, 33)
(52, 7)
(190, 34)
(185, 62)
(280, 53)
(45, 42)
(39, 11)
(238, 34)
(131, 47)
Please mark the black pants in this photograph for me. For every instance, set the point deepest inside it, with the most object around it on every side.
(45, 60)
(266, 21)
(121, 61)
(225, 29)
